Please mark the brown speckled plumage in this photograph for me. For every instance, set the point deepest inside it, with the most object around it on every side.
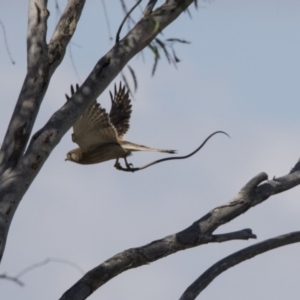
(100, 136)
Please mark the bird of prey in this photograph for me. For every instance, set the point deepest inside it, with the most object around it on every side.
(99, 135)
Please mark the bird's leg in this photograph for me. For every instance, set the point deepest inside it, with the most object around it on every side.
(118, 165)
(128, 166)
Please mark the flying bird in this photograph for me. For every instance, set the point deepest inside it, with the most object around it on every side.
(99, 135)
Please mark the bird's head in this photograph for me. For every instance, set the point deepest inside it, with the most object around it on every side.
(72, 156)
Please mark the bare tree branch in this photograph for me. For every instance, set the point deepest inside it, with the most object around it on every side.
(13, 279)
(129, 19)
(15, 181)
(20, 125)
(18, 170)
(124, 20)
(252, 194)
(149, 8)
(136, 257)
(47, 261)
(236, 258)
(6, 43)
(132, 73)
(42, 61)
(16, 278)
(200, 232)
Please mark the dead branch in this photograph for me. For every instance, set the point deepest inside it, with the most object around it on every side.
(236, 258)
(32, 267)
(11, 278)
(136, 257)
(200, 232)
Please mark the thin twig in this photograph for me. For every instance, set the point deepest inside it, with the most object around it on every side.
(125, 12)
(6, 43)
(119, 167)
(46, 261)
(124, 20)
(13, 279)
(107, 19)
(133, 77)
(17, 280)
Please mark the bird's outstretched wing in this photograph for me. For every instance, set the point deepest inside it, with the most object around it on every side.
(93, 128)
(120, 110)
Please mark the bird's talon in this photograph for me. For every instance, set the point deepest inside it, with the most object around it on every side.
(118, 166)
(129, 166)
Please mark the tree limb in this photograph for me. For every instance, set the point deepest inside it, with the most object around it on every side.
(15, 181)
(136, 257)
(200, 232)
(42, 61)
(46, 261)
(236, 258)
(149, 8)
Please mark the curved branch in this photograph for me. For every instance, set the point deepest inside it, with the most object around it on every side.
(236, 258)
(6, 43)
(136, 257)
(252, 194)
(200, 232)
(124, 20)
(131, 169)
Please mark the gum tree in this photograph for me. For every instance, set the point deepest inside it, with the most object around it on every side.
(23, 152)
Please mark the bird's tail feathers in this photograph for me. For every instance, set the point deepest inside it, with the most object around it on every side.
(135, 147)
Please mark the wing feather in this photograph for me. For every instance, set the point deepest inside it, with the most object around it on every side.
(93, 128)
(120, 110)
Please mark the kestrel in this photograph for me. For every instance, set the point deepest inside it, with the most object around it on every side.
(99, 135)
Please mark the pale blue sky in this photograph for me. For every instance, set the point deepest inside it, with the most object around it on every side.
(241, 75)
